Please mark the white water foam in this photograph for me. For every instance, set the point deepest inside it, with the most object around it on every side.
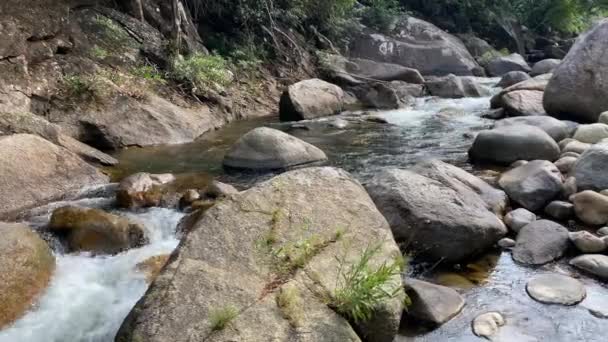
(89, 297)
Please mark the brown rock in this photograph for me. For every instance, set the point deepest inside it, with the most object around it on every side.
(142, 190)
(152, 266)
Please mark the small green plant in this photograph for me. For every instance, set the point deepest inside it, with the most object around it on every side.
(290, 302)
(219, 319)
(361, 287)
(148, 72)
(381, 14)
(80, 85)
(112, 32)
(99, 52)
(201, 71)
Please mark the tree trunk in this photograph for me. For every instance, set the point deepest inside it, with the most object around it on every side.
(139, 10)
(177, 25)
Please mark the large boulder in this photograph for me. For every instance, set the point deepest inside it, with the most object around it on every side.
(416, 44)
(557, 129)
(504, 64)
(273, 253)
(579, 84)
(383, 71)
(511, 78)
(27, 264)
(537, 84)
(380, 95)
(540, 242)
(590, 168)
(35, 172)
(591, 207)
(532, 185)
(438, 221)
(546, 66)
(523, 103)
(596, 264)
(462, 181)
(506, 145)
(432, 303)
(267, 149)
(310, 99)
(452, 86)
(94, 230)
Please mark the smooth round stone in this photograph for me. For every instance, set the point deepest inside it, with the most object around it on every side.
(560, 210)
(518, 218)
(603, 118)
(487, 324)
(506, 243)
(556, 289)
(602, 231)
(587, 242)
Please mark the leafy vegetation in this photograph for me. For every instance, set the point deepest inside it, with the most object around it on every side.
(79, 86)
(201, 71)
(362, 287)
(220, 318)
(148, 72)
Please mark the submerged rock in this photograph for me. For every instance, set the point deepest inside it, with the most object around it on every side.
(577, 89)
(94, 230)
(152, 266)
(506, 145)
(292, 231)
(532, 185)
(27, 265)
(437, 219)
(540, 242)
(596, 264)
(432, 303)
(267, 149)
(556, 289)
(487, 324)
(310, 99)
(35, 172)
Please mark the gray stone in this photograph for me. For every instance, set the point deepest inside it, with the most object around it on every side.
(587, 242)
(437, 220)
(511, 78)
(494, 114)
(556, 289)
(570, 155)
(234, 253)
(591, 133)
(506, 243)
(540, 242)
(545, 66)
(591, 207)
(383, 71)
(267, 148)
(504, 64)
(576, 147)
(380, 96)
(519, 218)
(569, 188)
(577, 89)
(590, 169)
(564, 142)
(419, 45)
(560, 210)
(518, 164)
(603, 118)
(532, 185)
(452, 86)
(523, 103)
(596, 264)
(142, 189)
(509, 144)
(602, 231)
(537, 84)
(487, 324)
(338, 124)
(555, 128)
(432, 303)
(35, 172)
(565, 164)
(310, 99)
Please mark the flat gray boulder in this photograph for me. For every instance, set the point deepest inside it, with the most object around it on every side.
(596, 264)
(532, 185)
(504, 64)
(590, 168)
(523, 103)
(269, 253)
(540, 242)
(519, 218)
(591, 133)
(266, 148)
(35, 172)
(310, 99)
(511, 78)
(439, 222)
(546, 66)
(579, 84)
(556, 289)
(506, 145)
(432, 303)
(557, 129)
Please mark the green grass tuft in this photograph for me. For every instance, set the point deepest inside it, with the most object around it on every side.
(219, 319)
(201, 71)
(289, 301)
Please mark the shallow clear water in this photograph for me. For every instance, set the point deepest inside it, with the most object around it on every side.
(89, 297)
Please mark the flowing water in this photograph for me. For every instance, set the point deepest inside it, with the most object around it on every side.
(89, 296)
